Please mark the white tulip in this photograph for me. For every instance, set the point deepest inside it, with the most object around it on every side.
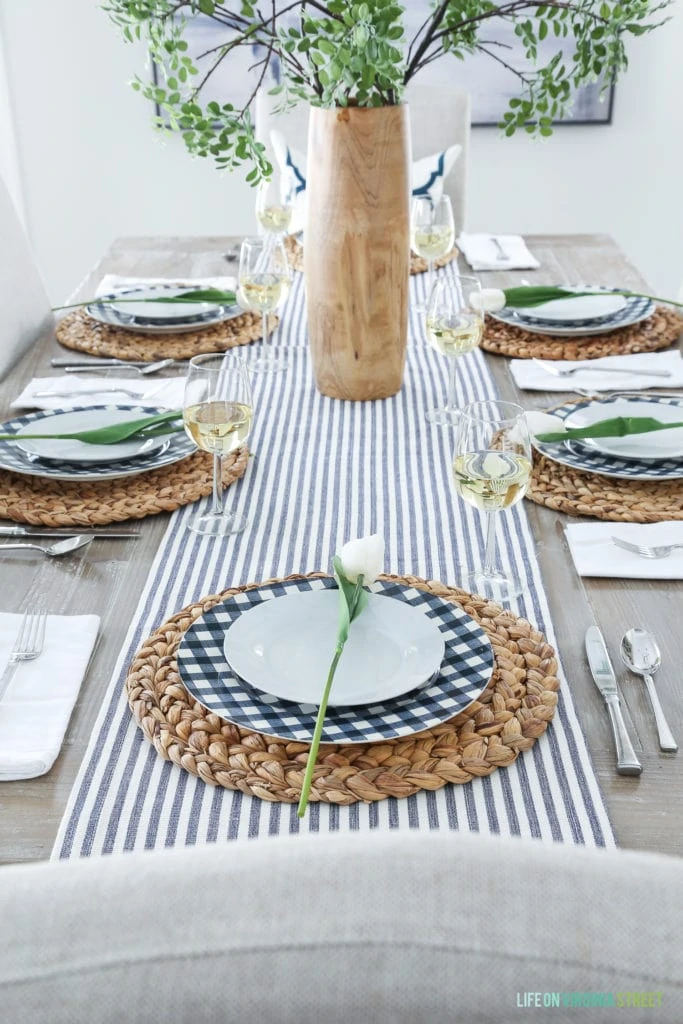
(544, 423)
(489, 300)
(363, 557)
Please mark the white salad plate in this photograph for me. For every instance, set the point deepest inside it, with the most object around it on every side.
(579, 310)
(158, 317)
(655, 446)
(72, 450)
(631, 310)
(170, 448)
(285, 647)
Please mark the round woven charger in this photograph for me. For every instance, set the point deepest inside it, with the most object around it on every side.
(41, 501)
(565, 489)
(295, 251)
(79, 331)
(659, 331)
(508, 718)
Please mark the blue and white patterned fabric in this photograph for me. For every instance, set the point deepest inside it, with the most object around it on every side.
(339, 470)
(427, 176)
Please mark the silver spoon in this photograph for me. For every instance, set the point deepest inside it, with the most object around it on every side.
(640, 653)
(62, 547)
(141, 370)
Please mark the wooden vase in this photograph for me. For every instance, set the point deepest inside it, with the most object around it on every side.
(357, 249)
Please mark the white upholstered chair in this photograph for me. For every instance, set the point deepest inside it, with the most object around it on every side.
(24, 305)
(438, 118)
(395, 928)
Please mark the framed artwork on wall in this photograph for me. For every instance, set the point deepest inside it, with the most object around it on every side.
(491, 78)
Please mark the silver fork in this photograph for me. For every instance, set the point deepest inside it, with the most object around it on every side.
(142, 397)
(562, 371)
(500, 251)
(656, 551)
(27, 646)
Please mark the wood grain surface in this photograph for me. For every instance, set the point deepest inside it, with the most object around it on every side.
(357, 251)
(647, 812)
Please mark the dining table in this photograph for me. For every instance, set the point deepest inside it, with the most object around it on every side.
(116, 579)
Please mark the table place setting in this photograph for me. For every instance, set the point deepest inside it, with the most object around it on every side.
(496, 252)
(647, 551)
(609, 373)
(37, 703)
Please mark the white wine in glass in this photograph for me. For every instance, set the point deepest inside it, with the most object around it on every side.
(217, 414)
(275, 203)
(455, 325)
(264, 281)
(491, 470)
(432, 232)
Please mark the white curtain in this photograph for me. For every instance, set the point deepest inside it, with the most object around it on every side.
(9, 155)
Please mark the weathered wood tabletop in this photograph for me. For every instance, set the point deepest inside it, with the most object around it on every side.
(646, 811)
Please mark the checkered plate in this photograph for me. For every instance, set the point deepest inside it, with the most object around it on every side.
(464, 674)
(584, 457)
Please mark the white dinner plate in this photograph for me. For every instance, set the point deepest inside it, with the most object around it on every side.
(579, 310)
(633, 311)
(285, 647)
(71, 450)
(159, 318)
(656, 446)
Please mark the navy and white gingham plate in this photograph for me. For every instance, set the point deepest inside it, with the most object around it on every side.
(635, 310)
(12, 457)
(465, 673)
(583, 456)
(171, 323)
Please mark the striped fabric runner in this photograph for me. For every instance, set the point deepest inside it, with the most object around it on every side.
(325, 471)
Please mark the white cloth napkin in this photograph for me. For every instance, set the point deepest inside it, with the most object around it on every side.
(76, 389)
(482, 254)
(37, 706)
(595, 554)
(115, 282)
(532, 377)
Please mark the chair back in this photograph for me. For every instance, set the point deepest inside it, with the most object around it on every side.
(24, 306)
(438, 118)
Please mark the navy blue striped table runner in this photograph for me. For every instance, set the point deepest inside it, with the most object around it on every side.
(325, 471)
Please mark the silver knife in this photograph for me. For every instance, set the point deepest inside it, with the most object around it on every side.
(606, 682)
(26, 531)
(58, 361)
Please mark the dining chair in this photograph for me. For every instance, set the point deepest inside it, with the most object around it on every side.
(24, 305)
(439, 117)
(387, 927)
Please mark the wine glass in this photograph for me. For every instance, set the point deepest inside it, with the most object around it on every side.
(275, 203)
(264, 281)
(491, 469)
(432, 232)
(217, 412)
(455, 324)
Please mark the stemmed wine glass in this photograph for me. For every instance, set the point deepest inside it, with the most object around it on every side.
(217, 413)
(432, 233)
(491, 469)
(455, 324)
(275, 203)
(264, 281)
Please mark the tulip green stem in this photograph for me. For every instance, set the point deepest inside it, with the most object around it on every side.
(322, 710)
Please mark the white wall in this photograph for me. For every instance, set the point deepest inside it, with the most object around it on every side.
(91, 167)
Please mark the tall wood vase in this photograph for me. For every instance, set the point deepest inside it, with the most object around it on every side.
(357, 249)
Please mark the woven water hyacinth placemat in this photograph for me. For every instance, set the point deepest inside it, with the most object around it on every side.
(577, 493)
(40, 501)
(508, 717)
(295, 252)
(79, 331)
(659, 331)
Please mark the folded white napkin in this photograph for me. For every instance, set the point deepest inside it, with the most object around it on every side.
(482, 254)
(532, 377)
(595, 554)
(78, 390)
(35, 711)
(115, 282)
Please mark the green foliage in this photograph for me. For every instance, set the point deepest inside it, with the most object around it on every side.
(344, 53)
